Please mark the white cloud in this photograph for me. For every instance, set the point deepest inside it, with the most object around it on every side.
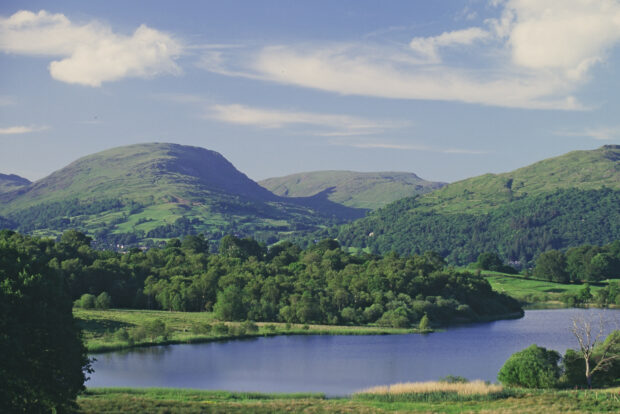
(91, 53)
(428, 47)
(14, 130)
(564, 35)
(349, 71)
(328, 124)
(536, 54)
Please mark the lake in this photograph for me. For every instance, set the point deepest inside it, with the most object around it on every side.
(339, 365)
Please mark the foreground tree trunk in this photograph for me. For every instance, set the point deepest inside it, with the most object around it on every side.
(582, 329)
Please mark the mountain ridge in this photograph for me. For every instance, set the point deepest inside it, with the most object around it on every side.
(555, 203)
(369, 190)
(146, 189)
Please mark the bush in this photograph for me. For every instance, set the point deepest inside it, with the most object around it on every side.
(220, 329)
(121, 334)
(86, 301)
(533, 367)
(425, 323)
(103, 301)
(201, 328)
(250, 327)
(155, 328)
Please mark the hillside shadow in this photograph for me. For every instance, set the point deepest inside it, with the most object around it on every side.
(321, 203)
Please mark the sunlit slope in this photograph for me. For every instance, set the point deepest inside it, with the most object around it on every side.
(368, 190)
(565, 201)
(158, 191)
(582, 170)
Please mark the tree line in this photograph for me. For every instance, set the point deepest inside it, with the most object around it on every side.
(519, 231)
(246, 280)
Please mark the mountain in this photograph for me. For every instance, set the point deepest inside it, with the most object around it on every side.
(12, 182)
(556, 203)
(153, 191)
(368, 190)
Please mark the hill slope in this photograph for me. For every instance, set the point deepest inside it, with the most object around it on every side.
(555, 203)
(151, 191)
(353, 189)
(12, 182)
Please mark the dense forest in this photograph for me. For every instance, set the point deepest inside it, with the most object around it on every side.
(245, 280)
(518, 231)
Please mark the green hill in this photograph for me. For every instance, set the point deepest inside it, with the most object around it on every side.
(12, 182)
(555, 203)
(370, 190)
(151, 191)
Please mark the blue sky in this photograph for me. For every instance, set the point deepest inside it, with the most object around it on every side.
(447, 90)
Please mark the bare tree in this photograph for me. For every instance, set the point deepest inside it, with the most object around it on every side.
(591, 340)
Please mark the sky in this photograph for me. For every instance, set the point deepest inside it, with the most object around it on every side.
(447, 90)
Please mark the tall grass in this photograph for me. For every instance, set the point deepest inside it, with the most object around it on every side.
(434, 391)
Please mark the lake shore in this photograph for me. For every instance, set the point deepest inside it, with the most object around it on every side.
(99, 328)
(135, 400)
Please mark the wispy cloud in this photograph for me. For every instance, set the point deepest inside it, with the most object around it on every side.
(327, 124)
(14, 130)
(535, 54)
(599, 133)
(90, 53)
(408, 147)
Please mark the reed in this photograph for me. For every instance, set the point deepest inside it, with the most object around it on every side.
(433, 391)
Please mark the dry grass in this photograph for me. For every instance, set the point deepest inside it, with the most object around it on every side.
(468, 388)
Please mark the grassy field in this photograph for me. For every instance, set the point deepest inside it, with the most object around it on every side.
(114, 400)
(538, 293)
(101, 328)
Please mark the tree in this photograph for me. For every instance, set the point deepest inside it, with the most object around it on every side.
(103, 301)
(424, 323)
(551, 265)
(589, 342)
(533, 367)
(489, 261)
(42, 356)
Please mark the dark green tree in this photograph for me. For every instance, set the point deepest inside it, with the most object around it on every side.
(42, 357)
(489, 261)
(551, 265)
(533, 367)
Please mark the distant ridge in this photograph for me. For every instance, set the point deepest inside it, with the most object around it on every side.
(12, 182)
(556, 203)
(369, 190)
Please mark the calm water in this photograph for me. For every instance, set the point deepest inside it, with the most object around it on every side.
(339, 365)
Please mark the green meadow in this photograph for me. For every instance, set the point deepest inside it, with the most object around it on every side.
(157, 400)
(535, 293)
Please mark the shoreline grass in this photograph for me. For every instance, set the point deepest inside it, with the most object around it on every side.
(100, 329)
(184, 401)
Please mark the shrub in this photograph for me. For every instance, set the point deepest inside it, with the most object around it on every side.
(86, 301)
(533, 367)
(305, 327)
(425, 323)
(103, 301)
(220, 328)
(201, 328)
(250, 327)
(155, 328)
(121, 334)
